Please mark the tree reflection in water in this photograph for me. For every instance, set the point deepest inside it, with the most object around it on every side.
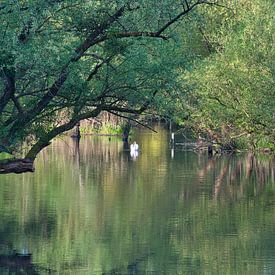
(90, 209)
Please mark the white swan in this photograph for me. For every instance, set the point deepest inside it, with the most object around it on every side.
(134, 146)
(134, 150)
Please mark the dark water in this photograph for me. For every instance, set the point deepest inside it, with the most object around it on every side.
(93, 209)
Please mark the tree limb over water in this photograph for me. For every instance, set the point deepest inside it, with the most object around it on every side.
(38, 54)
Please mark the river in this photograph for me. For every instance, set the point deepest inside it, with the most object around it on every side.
(92, 208)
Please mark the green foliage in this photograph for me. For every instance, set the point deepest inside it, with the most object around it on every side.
(70, 58)
(64, 61)
(230, 94)
(105, 129)
(5, 156)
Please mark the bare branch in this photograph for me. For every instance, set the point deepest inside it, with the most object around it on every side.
(132, 119)
(97, 67)
(54, 13)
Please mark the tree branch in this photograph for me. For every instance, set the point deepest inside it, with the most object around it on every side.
(45, 140)
(132, 119)
(97, 67)
(177, 17)
(54, 89)
(128, 110)
(9, 77)
(95, 37)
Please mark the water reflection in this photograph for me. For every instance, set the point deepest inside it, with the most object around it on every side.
(90, 209)
(134, 150)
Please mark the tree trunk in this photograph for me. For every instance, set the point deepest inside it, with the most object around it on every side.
(16, 166)
(126, 131)
(76, 131)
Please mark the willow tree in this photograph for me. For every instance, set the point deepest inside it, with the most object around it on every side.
(230, 92)
(64, 61)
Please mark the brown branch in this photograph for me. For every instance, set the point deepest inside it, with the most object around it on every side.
(132, 119)
(54, 89)
(17, 105)
(97, 67)
(208, 44)
(44, 141)
(128, 110)
(177, 17)
(90, 40)
(156, 34)
(95, 70)
(215, 4)
(54, 13)
(9, 78)
(140, 34)
(217, 99)
(96, 36)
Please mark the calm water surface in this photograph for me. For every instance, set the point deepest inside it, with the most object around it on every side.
(91, 208)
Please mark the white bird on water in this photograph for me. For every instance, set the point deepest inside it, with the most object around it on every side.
(134, 146)
(134, 150)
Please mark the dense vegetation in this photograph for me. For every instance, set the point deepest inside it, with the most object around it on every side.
(63, 61)
(231, 96)
(209, 65)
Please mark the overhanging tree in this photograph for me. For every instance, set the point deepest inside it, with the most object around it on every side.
(64, 61)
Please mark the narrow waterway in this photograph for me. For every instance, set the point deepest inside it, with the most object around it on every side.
(92, 208)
